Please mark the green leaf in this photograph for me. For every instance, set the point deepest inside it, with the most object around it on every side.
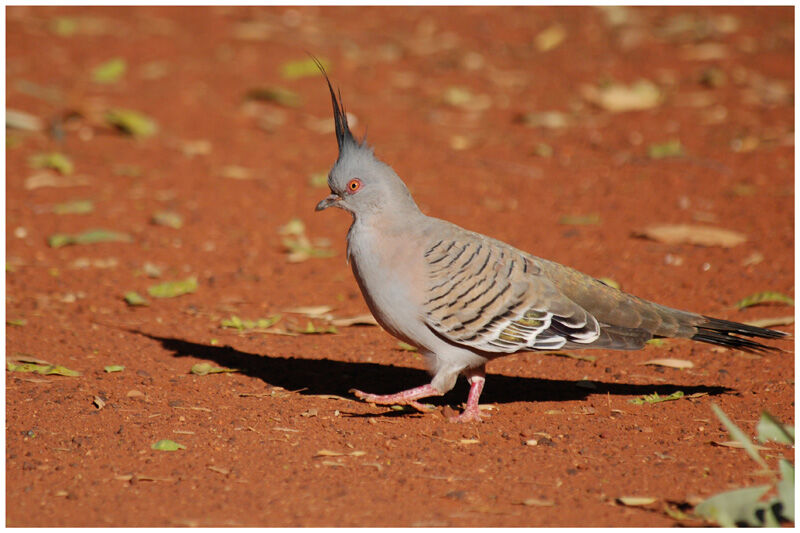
(171, 289)
(311, 329)
(92, 236)
(769, 428)
(739, 436)
(734, 507)
(278, 95)
(132, 122)
(786, 489)
(658, 343)
(302, 68)
(294, 227)
(113, 368)
(201, 369)
(19, 322)
(610, 282)
(543, 150)
(458, 96)
(234, 322)
(75, 207)
(53, 160)
(264, 323)
(110, 71)
(319, 179)
(300, 249)
(134, 298)
(41, 369)
(764, 297)
(167, 445)
(64, 26)
(406, 347)
(655, 398)
(672, 148)
(168, 218)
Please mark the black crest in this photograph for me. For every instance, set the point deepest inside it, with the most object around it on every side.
(343, 134)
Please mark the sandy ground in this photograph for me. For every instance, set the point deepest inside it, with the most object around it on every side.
(492, 116)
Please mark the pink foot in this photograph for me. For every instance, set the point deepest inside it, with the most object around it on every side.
(472, 412)
(406, 397)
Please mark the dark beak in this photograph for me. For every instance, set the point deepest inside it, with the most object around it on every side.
(329, 201)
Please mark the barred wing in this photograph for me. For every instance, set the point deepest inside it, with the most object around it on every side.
(490, 296)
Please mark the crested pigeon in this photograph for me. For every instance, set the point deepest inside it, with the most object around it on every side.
(464, 299)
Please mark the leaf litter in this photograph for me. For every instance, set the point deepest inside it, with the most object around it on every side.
(167, 445)
(172, 289)
(299, 245)
(203, 369)
(303, 68)
(765, 297)
(130, 122)
(171, 219)
(275, 94)
(59, 370)
(656, 398)
(74, 207)
(54, 161)
(670, 363)
(619, 98)
(133, 298)
(692, 234)
(92, 236)
(234, 322)
(110, 72)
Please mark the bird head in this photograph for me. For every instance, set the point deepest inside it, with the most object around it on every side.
(359, 182)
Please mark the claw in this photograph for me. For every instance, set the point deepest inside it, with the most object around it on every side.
(407, 397)
(469, 415)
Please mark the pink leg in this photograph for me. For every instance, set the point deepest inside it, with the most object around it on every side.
(406, 397)
(472, 412)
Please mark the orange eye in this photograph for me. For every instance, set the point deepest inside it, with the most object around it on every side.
(353, 185)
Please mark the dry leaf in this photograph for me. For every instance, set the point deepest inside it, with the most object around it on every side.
(736, 444)
(533, 502)
(671, 363)
(359, 320)
(636, 501)
(328, 453)
(47, 178)
(331, 453)
(315, 311)
(691, 234)
(618, 97)
(769, 322)
(550, 38)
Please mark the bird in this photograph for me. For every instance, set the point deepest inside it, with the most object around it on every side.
(463, 299)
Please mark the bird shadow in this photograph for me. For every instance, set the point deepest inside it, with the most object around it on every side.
(326, 376)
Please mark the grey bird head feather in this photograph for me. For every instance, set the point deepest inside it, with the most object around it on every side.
(360, 182)
(344, 137)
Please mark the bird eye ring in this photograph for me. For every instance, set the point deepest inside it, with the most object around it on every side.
(353, 185)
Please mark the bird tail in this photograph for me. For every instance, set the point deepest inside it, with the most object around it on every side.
(734, 335)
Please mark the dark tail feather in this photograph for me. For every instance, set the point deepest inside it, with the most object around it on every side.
(729, 334)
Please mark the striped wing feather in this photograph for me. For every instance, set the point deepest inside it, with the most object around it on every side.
(490, 296)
